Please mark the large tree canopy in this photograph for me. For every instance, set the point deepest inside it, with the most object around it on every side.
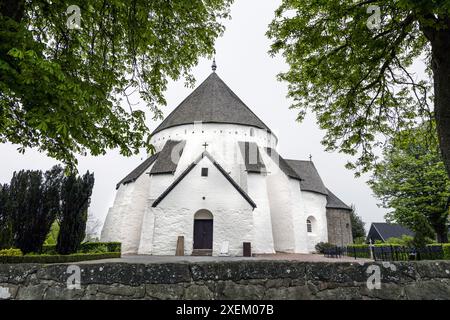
(61, 87)
(350, 63)
(413, 183)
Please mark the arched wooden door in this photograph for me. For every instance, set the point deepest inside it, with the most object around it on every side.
(203, 230)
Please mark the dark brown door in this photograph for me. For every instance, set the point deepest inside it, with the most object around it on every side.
(203, 234)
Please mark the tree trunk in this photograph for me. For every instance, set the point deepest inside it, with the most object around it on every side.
(440, 42)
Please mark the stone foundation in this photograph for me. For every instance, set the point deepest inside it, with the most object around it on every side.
(228, 280)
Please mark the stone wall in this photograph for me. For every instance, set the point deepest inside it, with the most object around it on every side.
(339, 227)
(228, 280)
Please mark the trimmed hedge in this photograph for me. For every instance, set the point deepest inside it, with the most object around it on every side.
(77, 257)
(446, 249)
(11, 252)
(88, 247)
(363, 251)
(358, 251)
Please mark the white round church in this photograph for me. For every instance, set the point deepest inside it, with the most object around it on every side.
(217, 180)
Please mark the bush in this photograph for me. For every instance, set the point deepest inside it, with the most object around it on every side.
(88, 247)
(11, 252)
(52, 236)
(322, 246)
(358, 251)
(446, 249)
(359, 240)
(405, 240)
(77, 257)
(101, 246)
(75, 199)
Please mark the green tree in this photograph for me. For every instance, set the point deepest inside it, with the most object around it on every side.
(350, 64)
(412, 181)
(5, 219)
(52, 236)
(358, 230)
(34, 205)
(75, 198)
(61, 88)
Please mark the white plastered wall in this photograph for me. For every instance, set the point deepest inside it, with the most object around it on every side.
(124, 219)
(262, 222)
(315, 206)
(174, 215)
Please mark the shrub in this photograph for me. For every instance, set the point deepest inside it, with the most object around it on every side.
(75, 198)
(49, 249)
(88, 247)
(405, 240)
(91, 248)
(359, 240)
(33, 204)
(358, 251)
(322, 246)
(446, 249)
(11, 252)
(6, 236)
(52, 236)
(101, 247)
(59, 258)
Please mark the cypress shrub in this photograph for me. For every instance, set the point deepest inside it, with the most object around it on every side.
(33, 204)
(6, 240)
(75, 199)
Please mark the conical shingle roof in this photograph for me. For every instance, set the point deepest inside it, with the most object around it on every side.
(212, 102)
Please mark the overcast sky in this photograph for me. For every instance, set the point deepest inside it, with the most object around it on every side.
(244, 64)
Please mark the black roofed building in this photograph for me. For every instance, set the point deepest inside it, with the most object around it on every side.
(382, 231)
(217, 181)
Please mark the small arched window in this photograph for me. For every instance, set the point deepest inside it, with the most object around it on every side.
(308, 225)
(252, 132)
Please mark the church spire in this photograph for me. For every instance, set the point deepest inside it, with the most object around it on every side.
(214, 65)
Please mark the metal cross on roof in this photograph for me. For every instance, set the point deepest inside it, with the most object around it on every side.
(310, 157)
(205, 145)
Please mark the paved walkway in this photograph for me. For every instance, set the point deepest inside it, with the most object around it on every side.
(147, 259)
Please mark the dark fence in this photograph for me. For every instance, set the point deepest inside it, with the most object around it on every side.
(387, 253)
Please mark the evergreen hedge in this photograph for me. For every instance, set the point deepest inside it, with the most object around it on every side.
(446, 249)
(11, 252)
(77, 257)
(363, 250)
(88, 247)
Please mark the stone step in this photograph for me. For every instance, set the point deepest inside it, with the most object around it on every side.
(202, 252)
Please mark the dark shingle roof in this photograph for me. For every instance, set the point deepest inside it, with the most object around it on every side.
(165, 163)
(252, 157)
(282, 164)
(333, 202)
(212, 102)
(311, 180)
(389, 230)
(189, 169)
(136, 173)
